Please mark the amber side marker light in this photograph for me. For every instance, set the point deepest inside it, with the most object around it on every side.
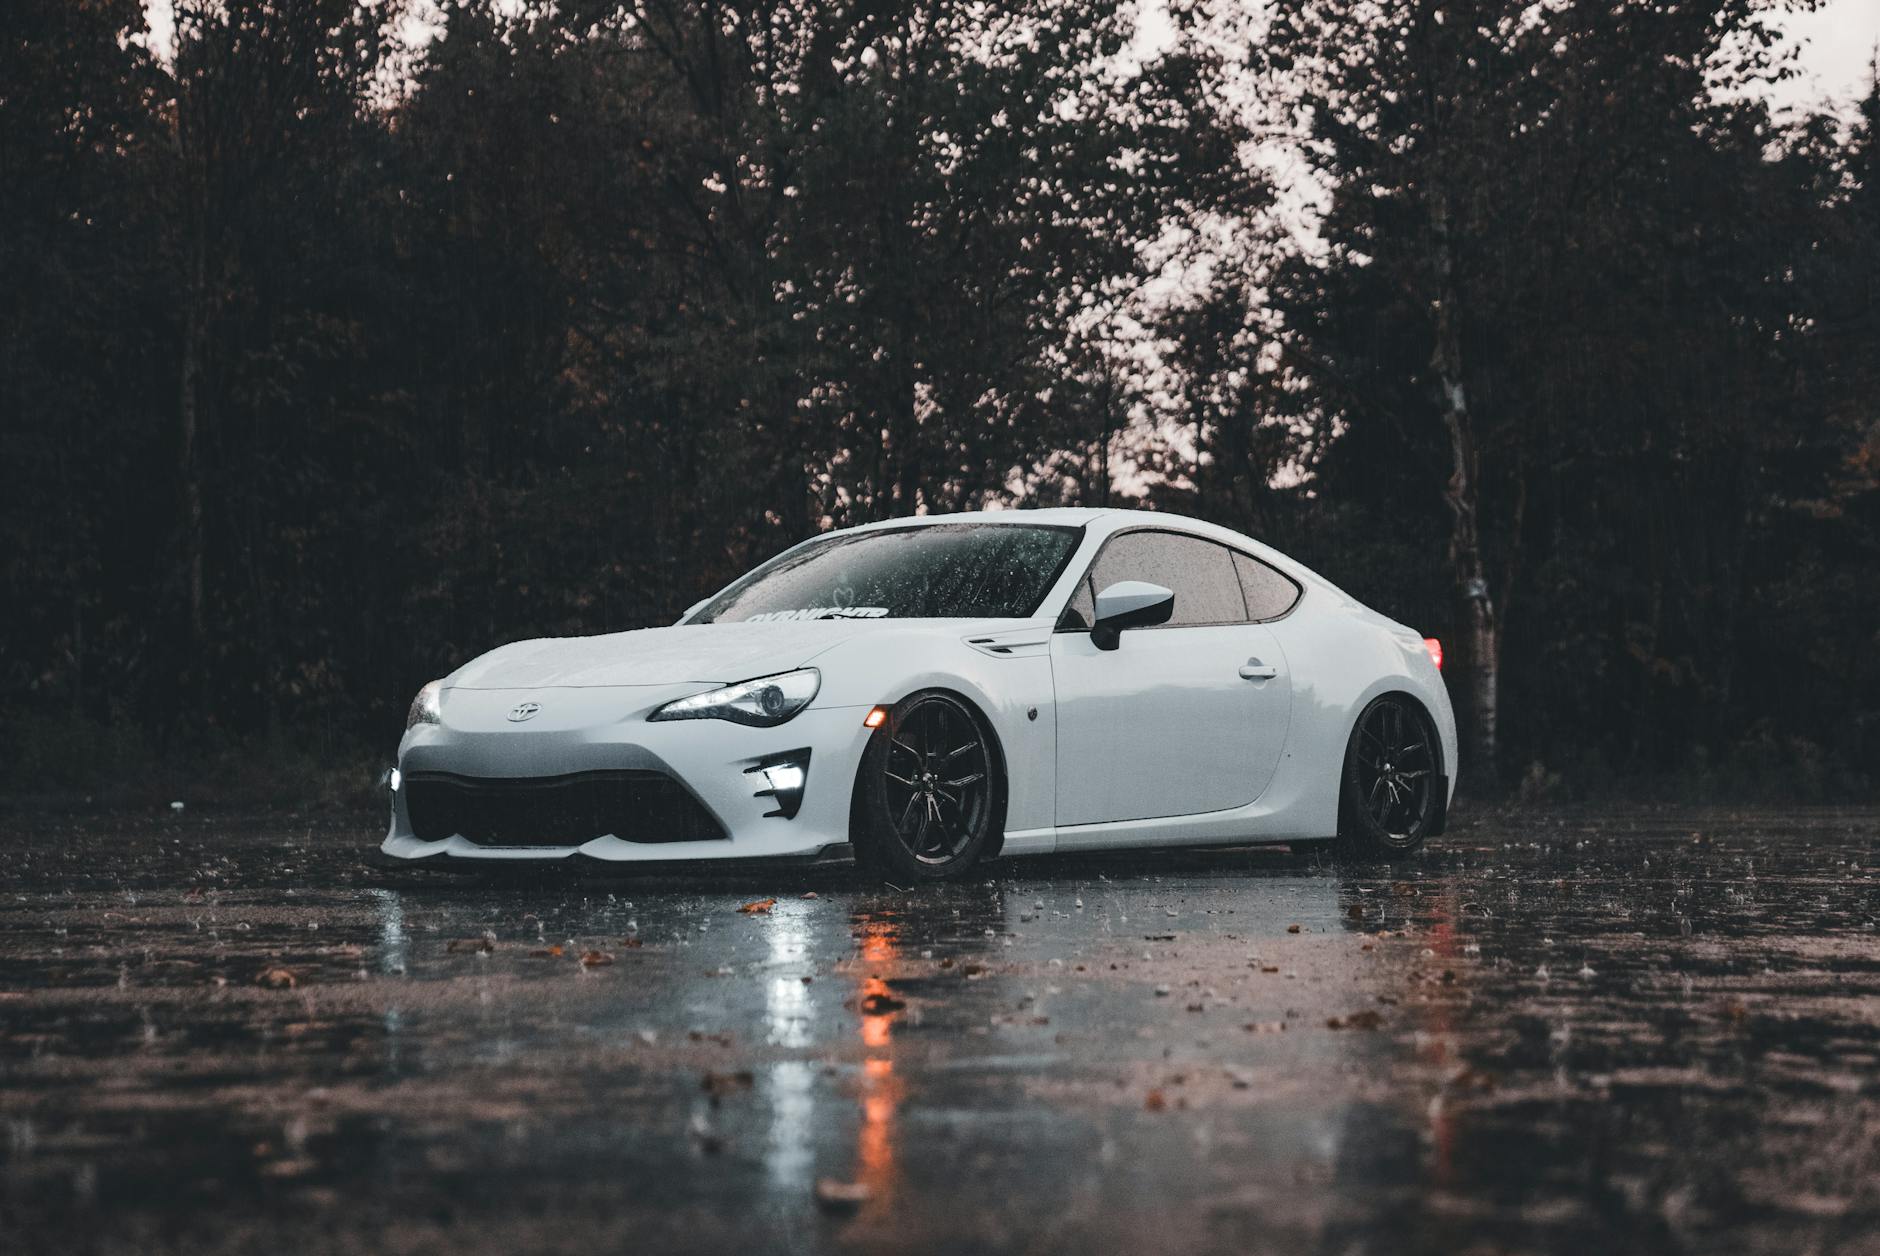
(876, 717)
(1435, 648)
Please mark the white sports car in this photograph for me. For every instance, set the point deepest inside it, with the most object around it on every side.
(926, 693)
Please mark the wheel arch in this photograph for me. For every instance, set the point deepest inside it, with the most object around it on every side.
(1388, 689)
(1001, 788)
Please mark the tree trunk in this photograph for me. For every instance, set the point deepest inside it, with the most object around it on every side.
(1482, 640)
(189, 468)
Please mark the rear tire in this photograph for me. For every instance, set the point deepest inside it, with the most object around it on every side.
(928, 797)
(1390, 789)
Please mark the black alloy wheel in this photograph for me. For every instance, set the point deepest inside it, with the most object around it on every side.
(929, 791)
(1391, 780)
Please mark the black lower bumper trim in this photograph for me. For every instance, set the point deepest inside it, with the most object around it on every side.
(534, 811)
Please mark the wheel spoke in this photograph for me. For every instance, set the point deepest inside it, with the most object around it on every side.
(932, 823)
(957, 751)
(953, 832)
(968, 779)
(898, 780)
(901, 824)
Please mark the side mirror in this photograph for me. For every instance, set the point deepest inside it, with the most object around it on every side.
(1129, 604)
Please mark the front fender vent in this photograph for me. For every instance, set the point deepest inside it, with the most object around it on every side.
(1017, 644)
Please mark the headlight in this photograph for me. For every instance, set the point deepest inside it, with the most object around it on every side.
(424, 707)
(764, 702)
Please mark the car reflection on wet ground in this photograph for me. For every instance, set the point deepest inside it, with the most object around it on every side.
(1627, 1031)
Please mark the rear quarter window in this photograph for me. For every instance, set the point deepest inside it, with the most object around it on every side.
(1269, 594)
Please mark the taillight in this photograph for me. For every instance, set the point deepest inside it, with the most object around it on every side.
(1435, 648)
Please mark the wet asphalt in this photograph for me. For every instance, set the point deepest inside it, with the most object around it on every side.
(1633, 1031)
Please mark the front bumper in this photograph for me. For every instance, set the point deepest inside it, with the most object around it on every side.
(603, 730)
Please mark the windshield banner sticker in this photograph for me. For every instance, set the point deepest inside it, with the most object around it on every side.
(821, 612)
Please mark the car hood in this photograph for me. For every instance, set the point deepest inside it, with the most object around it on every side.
(698, 653)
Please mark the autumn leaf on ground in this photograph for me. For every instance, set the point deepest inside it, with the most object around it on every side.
(1357, 1020)
(718, 1085)
(834, 1196)
(595, 959)
(277, 979)
(547, 952)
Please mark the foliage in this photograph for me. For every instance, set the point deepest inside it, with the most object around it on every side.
(327, 363)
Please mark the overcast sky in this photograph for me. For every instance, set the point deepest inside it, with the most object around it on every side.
(1837, 53)
(1837, 41)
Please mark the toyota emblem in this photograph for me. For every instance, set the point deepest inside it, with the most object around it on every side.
(523, 711)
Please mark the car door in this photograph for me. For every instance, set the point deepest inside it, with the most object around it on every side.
(1181, 719)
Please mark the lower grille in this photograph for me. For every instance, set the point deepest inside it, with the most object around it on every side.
(635, 806)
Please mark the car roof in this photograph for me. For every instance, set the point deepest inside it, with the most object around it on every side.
(1102, 520)
(1062, 515)
(1106, 520)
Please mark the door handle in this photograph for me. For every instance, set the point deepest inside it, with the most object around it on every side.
(1254, 669)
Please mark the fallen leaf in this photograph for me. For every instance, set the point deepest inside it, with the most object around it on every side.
(811, 894)
(596, 959)
(1292, 928)
(718, 1085)
(758, 906)
(834, 1196)
(547, 952)
(1155, 1101)
(1265, 1027)
(457, 946)
(277, 979)
(1357, 1020)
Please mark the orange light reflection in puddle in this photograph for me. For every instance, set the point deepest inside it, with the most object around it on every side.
(881, 1090)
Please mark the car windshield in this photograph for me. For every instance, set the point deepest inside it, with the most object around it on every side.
(931, 571)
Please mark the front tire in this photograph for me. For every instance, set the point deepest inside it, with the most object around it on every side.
(1390, 791)
(928, 797)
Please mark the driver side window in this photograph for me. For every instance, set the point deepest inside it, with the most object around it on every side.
(1201, 574)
